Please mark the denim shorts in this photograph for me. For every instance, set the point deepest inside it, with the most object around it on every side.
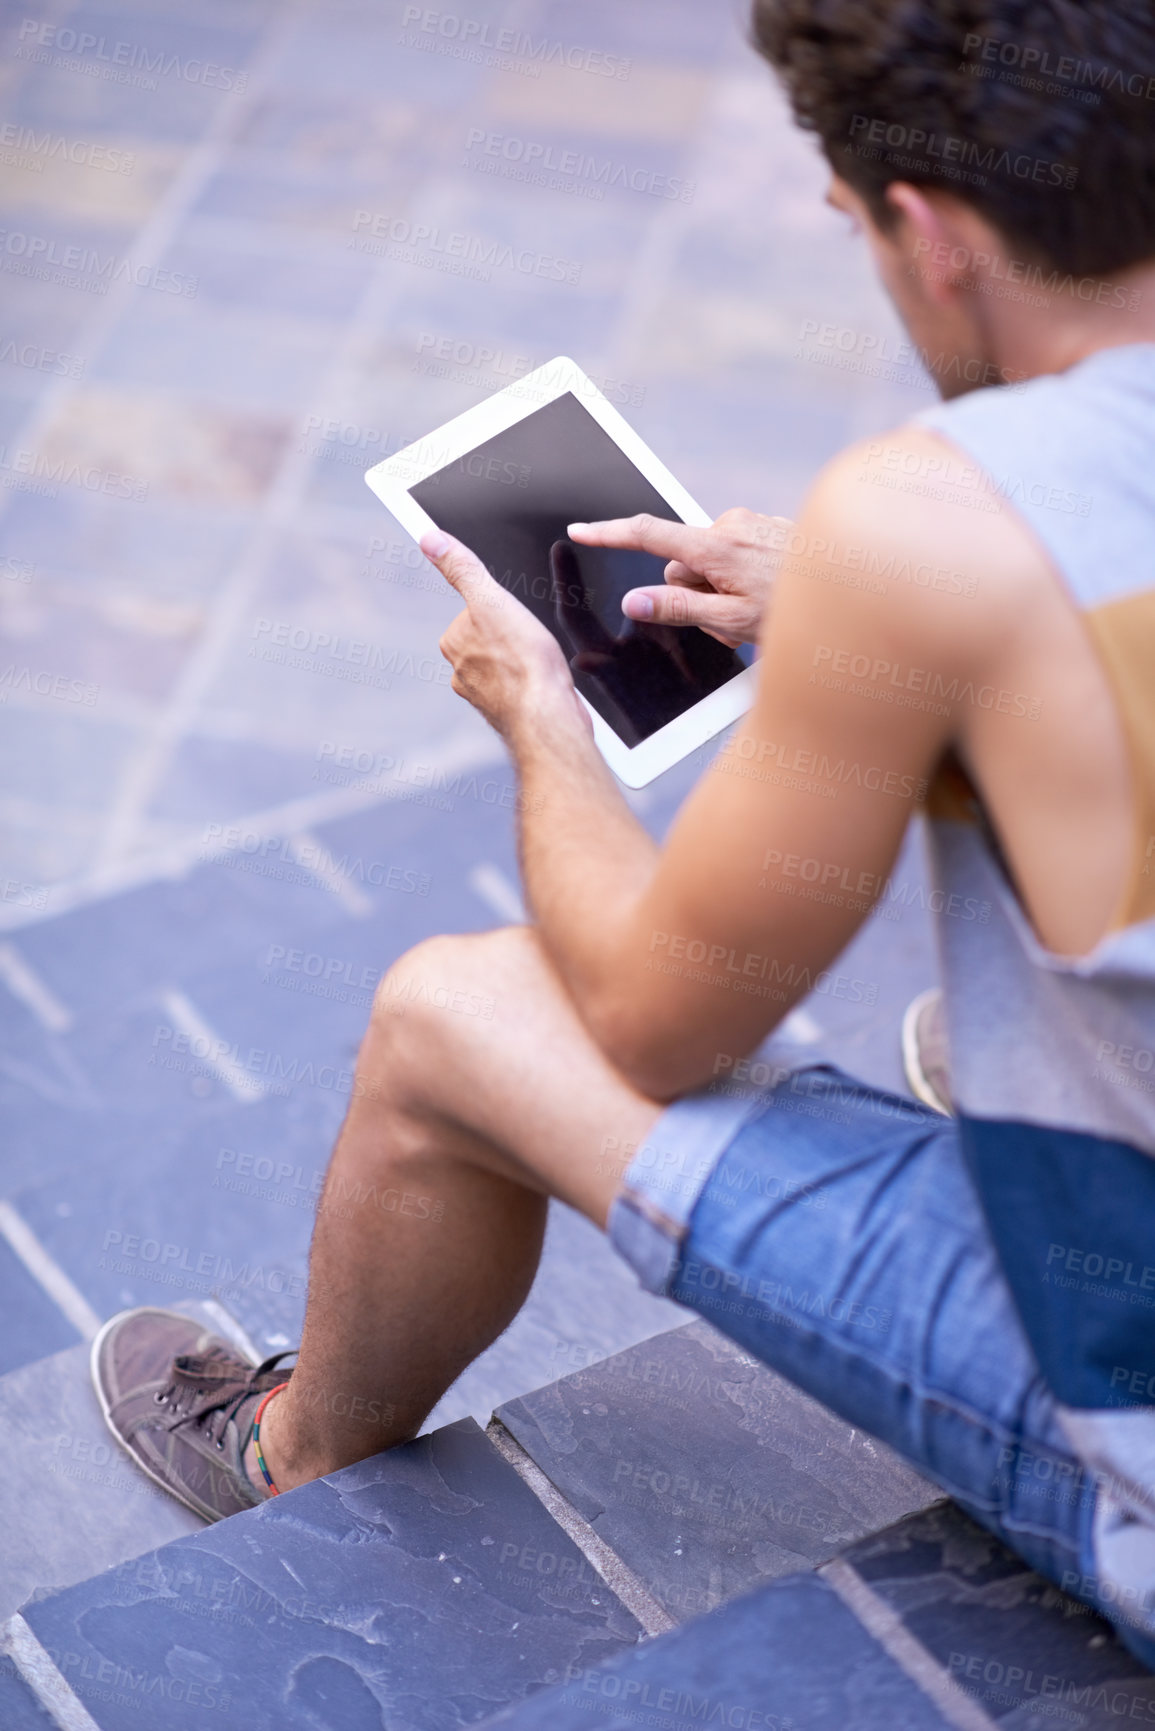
(833, 1231)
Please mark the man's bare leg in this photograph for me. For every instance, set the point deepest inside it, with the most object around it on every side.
(431, 1223)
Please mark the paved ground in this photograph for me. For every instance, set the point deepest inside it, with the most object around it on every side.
(243, 253)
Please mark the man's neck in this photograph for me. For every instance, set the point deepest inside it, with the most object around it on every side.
(1084, 316)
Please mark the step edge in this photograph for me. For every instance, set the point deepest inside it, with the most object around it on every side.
(887, 1628)
(47, 1682)
(621, 1580)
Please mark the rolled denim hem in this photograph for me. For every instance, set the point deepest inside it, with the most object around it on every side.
(650, 1216)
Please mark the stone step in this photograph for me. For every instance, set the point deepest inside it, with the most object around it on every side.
(19, 1708)
(71, 1501)
(424, 1588)
(928, 1626)
(704, 1471)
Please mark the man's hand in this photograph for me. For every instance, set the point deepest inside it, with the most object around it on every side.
(504, 661)
(718, 579)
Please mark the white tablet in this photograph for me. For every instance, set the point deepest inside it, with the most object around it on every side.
(507, 478)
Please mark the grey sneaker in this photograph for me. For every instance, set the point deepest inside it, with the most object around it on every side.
(926, 1054)
(181, 1401)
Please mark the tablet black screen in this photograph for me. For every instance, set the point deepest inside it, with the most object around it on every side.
(512, 499)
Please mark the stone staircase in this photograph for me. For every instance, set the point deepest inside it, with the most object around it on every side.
(662, 1532)
(672, 1536)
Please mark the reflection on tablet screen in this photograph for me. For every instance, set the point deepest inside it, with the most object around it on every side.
(512, 499)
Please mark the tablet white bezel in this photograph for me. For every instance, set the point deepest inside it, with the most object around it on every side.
(392, 479)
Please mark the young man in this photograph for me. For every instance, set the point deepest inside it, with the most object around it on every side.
(966, 603)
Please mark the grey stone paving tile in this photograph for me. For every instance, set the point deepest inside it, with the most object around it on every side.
(13, 412)
(177, 112)
(248, 359)
(260, 272)
(567, 320)
(365, 135)
(34, 1325)
(19, 1708)
(217, 781)
(423, 1589)
(788, 1657)
(361, 59)
(1024, 1651)
(705, 1471)
(223, 14)
(46, 317)
(161, 551)
(786, 447)
(309, 198)
(65, 749)
(686, 32)
(152, 1222)
(119, 1076)
(71, 1503)
(78, 640)
(610, 170)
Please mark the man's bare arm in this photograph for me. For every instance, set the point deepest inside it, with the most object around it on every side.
(777, 857)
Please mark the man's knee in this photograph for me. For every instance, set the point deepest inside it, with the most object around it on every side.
(446, 989)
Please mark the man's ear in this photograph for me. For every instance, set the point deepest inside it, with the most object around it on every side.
(923, 232)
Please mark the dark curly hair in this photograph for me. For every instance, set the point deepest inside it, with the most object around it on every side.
(1039, 113)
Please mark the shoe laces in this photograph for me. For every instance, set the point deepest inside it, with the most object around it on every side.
(209, 1388)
